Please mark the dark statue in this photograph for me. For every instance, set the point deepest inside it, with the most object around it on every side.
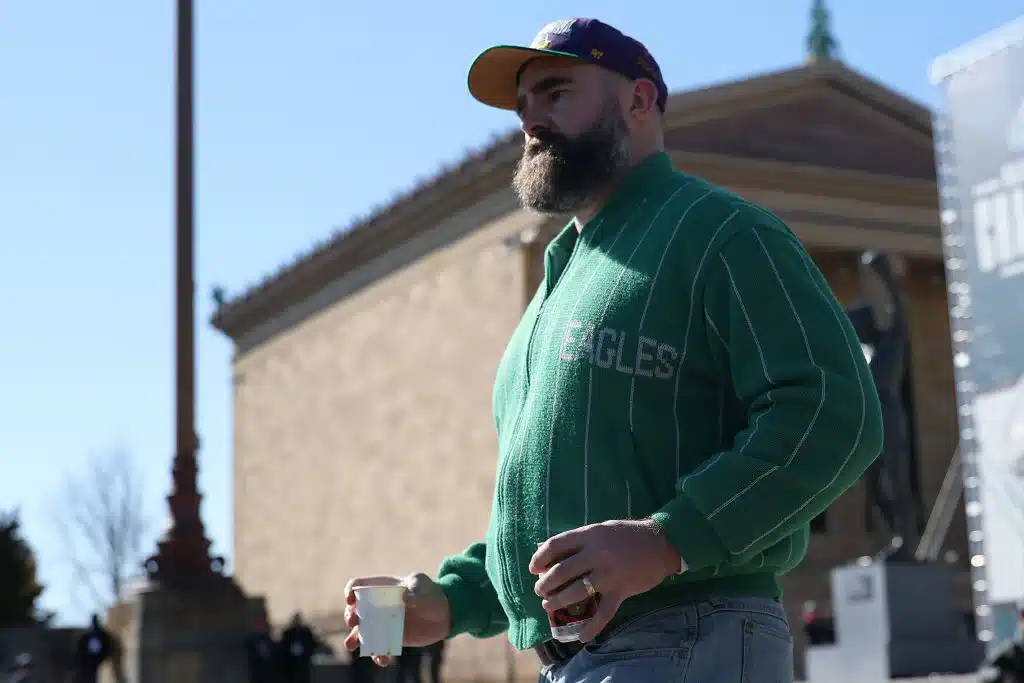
(880, 320)
(821, 44)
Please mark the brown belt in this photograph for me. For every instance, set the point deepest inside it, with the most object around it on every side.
(552, 652)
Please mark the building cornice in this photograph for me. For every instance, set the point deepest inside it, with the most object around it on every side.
(488, 170)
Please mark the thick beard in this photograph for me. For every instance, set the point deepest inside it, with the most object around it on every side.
(559, 175)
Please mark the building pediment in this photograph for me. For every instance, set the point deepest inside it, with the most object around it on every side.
(818, 129)
(827, 116)
(817, 119)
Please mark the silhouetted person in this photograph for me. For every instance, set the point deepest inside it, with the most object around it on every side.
(92, 649)
(298, 645)
(880, 320)
(410, 665)
(261, 654)
(816, 630)
(435, 654)
(361, 669)
(22, 670)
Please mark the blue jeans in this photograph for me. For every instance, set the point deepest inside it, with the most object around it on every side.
(727, 640)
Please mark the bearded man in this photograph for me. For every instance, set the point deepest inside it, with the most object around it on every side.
(683, 395)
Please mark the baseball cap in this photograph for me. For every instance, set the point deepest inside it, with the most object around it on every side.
(494, 75)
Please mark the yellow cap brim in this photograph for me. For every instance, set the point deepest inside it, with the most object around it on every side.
(494, 74)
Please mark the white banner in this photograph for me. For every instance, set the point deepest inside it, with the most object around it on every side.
(979, 147)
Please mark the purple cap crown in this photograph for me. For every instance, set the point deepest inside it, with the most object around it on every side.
(494, 74)
(595, 42)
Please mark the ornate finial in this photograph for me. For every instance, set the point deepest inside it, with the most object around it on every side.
(821, 44)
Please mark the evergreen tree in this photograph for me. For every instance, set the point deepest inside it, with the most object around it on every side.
(19, 589)
(821, 44)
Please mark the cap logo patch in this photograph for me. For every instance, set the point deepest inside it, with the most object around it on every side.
(562, 27)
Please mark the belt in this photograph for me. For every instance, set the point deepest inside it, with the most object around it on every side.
(552, 652)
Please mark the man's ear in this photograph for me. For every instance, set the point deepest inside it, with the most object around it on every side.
(644, 102)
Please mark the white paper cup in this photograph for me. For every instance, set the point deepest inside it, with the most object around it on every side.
(381, 611)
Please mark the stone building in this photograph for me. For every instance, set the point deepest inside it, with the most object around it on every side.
(363, 437)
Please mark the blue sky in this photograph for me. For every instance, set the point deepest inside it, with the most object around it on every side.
(309, 113)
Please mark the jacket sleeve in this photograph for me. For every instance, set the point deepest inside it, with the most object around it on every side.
(796, 368)
(471, 596)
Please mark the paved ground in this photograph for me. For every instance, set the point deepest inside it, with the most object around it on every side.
(931, 679)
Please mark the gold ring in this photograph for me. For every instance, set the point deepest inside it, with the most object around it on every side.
(589, 586)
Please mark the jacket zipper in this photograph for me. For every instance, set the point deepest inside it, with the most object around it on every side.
(515, 600)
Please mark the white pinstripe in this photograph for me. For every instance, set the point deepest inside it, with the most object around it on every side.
(527, 397)
(714, 328)
(746, 316)
(654, 283)
(860, 430)
(686, 343)
(558, 372)
(760, 350)
(590, 383)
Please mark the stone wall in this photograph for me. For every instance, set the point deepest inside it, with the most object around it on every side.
(364, 441)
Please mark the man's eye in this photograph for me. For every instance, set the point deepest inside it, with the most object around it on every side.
(555, 95)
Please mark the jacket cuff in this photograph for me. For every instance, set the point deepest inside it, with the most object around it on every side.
(691, 534)
(468, 612)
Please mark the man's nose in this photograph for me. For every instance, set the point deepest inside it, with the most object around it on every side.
(532, 124)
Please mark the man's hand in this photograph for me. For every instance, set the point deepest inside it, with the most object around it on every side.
(621, 558)
(427, 616)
